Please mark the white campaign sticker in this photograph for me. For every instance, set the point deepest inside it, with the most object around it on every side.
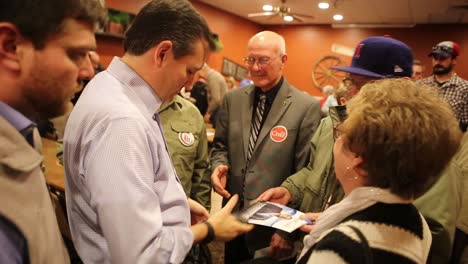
(186, 138)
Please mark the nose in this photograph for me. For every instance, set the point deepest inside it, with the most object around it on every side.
(86, 71)
(189, 83)
(255, 66)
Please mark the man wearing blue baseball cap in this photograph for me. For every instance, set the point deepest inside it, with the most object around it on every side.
(315, 187)
(453, 88)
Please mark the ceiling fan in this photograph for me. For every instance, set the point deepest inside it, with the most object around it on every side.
(282, 11)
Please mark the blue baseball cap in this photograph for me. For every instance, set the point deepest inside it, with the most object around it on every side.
(381, 57)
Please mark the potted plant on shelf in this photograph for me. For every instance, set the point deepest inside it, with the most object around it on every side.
(118, 21)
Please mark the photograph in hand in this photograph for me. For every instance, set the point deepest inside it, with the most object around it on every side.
(273, 215)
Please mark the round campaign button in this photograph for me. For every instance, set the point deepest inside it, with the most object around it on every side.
(279, 134)
(186, 138)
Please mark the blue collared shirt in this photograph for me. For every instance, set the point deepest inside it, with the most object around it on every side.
(18, 121)
(124, 201)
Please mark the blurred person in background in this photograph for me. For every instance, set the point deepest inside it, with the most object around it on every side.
(418, 70)
(231, 82)
(453, 88)
(330, 99)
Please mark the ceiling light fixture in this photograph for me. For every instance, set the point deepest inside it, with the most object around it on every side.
(267, 8)
(338, 17)
(288, 18)
(323, 5)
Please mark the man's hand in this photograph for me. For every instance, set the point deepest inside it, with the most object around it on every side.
(312, 217)
(225, 225)
(280, 247)
(279, 195)
(207, 117)
(218, 180)
(198, 213)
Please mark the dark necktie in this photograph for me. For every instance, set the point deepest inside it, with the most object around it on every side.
(256, 124)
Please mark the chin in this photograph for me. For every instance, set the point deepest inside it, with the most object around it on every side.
(260, 82)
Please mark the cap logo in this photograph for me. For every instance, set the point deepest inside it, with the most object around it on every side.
(186, 138)
(357, 53)
(279, 134)
(397, 69)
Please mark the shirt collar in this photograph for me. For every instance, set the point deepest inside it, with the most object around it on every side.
(270, 94)
(15, 118)
(128, 77)
(175, 104)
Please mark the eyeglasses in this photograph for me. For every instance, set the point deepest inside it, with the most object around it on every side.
(337, 130)
(348, 82)
(262, 61)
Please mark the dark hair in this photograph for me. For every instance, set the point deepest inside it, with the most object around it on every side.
(174, 20)
(37, 20)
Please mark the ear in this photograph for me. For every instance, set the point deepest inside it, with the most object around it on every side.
(343, 101)
(284, 59)
(9, 39)
(162, 52)
(357, 164)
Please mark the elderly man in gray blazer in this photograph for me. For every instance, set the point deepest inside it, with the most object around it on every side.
(262, 136)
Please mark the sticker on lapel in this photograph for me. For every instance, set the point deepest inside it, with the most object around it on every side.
(279, 134)
(186, 138)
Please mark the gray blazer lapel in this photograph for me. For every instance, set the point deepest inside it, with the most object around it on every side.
(279, 107)
(246, 106)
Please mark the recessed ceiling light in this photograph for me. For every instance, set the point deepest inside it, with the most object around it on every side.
(267, 8)
(288, 18)
(338, 17)
(323, 5)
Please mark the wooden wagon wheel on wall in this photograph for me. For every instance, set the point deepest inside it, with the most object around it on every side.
(322, 74)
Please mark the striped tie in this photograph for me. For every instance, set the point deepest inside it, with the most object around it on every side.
(256, 124)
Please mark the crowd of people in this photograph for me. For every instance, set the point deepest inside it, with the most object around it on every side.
(380, 167)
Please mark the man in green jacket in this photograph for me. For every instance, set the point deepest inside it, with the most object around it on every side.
(459, 169)
(186, 139)
(315, 187)
(185, 133)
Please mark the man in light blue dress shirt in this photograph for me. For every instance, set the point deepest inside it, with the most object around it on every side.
(124, 200)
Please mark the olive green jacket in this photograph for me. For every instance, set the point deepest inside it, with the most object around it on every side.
(315, 187)
(459, 168)
(312, 186)
(185, 133)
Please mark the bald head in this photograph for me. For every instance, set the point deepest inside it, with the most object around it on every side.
(269, 38)
(266, 57)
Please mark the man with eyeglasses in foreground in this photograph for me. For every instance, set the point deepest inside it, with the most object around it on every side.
(453, 88)
(315, 188)
(277, 122)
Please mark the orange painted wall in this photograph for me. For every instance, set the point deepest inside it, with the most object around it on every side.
(307, 44)
(233, 31)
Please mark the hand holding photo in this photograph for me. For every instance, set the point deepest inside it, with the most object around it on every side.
(273, 215)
